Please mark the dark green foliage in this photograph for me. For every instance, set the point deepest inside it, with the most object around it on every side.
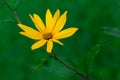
(99, 30)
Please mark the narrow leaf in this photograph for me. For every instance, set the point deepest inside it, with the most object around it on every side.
(112, 31)
(90, 56)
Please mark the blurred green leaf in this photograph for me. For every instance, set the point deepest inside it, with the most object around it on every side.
(90, 56)
(7, 20)
(112, 31)
(43, 62)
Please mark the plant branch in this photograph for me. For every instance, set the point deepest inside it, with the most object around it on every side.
(12, 10)
(85, 77)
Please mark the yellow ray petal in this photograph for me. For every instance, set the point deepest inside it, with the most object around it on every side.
(32, 36)
(28, 29)
(65, 33)
(49, 46)
(56, 17)
(35, 23)
(57, 41)
(60, 23)
(38, 44)
(49, 21)
(40, 23)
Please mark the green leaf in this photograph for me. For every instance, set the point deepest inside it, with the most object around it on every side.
(6, 20)
(43, 62)
(90, 56)
(112, 31)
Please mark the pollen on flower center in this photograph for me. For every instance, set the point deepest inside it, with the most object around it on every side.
(47, 36)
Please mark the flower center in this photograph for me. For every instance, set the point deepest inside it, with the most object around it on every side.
(47, 36)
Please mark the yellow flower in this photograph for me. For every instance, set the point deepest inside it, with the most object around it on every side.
(49, 33)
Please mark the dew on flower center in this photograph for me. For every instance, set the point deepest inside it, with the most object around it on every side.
(47, 36)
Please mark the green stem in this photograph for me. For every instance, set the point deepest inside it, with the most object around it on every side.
(12, 10)
(69, 67)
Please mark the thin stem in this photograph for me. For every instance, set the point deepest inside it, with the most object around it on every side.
(12, 10)
(69, 67)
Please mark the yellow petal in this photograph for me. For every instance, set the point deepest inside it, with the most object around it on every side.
(35, 23)
(49, 46)
(40, 23)
(60, 23)
(28, 30)
(56, 17)
(57, 41)
(49, 23)
(38, 44)
(32, 36)
(65, 33)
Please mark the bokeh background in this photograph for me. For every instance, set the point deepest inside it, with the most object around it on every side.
(98, 22)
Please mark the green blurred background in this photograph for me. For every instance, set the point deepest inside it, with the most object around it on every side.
(98, 22)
